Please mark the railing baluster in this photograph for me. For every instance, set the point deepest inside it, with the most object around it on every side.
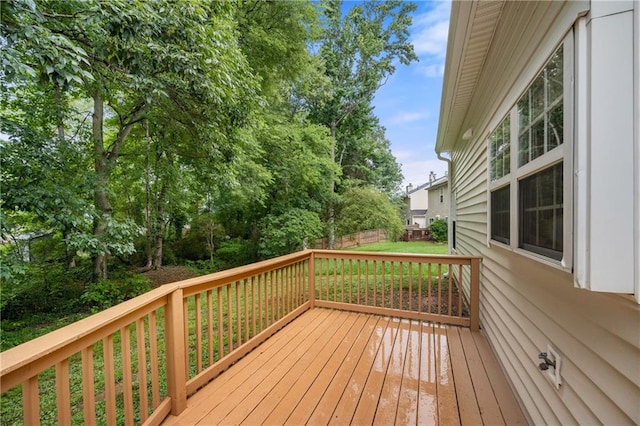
(272, 292)
(253, 304)
(109, 379)
(185, 325)
(429, 279)
(342, 286)
(366, 282)
(127, 380)
(459, 286)
(335, 278)
(401, 286)
(410, 286)
(210, 326)
(198, 308)
(350, 263)
(383, 267)
(237, 286)
(439, 288)
(420, 287)
(88, 387)
(142, 370)
(153, 357)
(31, 401)
(63, 394)
(246, 309)
(450, 287)
(262, 308)
(375, 283)
(393, 280)
(358, 281)
(220, 324)
(292, 287)
(296, 281)
(229, 319)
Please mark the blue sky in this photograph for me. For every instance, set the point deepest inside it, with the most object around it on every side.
(408, 105)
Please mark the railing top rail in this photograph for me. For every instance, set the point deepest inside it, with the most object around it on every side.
(217, 279)
(406, 257)
(81, 333)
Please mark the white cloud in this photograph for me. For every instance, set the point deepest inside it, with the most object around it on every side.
(432, 70)
(429, 37)
(408, 117)
(417, 172)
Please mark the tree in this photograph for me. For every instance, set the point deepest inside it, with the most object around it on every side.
(365, 208)
(358, 51)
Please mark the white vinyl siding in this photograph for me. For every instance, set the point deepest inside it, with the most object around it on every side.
(527, 304)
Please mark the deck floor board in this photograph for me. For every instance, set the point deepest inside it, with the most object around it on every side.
(332, 367)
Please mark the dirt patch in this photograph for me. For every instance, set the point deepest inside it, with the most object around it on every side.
(169, 274)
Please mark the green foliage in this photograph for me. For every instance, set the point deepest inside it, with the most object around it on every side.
(293, 230)
(40, 288)
(438, 230)
(364, 208)
(103, 294)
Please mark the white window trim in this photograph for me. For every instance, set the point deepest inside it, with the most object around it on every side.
(562, 153)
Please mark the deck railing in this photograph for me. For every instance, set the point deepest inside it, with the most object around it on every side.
(139, 361)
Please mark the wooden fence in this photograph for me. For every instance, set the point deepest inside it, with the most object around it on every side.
(354, 240)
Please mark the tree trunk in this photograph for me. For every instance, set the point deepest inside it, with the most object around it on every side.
(147, 203)
(331, 210)
(101, 196)
(159, 227)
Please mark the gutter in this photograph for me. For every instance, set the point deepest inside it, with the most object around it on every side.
(451, 218)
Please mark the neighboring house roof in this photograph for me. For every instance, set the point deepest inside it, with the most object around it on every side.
(438, 183)
(429, 185)
(418, 188)
(471, 31)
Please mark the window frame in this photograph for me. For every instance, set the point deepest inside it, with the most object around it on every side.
(562, 153)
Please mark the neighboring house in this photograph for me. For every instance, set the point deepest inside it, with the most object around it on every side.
(438, 191)
(540, 119)
(424, 203)
(418, 203)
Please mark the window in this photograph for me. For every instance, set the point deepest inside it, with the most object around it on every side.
(499, 151)
(528, 193)
(442, 195)
(500, 215)
(540, 113)
(541, 212)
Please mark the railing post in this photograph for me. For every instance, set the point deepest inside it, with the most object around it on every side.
(474, 309)
(312, 279)
(176, 352)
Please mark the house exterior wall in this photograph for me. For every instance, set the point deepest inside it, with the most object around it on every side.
(438, 206)
(526, 303)
(419, 200)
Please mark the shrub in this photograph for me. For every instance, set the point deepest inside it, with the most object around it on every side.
(438, 229)
(106, 293)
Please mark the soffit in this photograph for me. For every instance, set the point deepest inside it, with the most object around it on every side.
(471, 29)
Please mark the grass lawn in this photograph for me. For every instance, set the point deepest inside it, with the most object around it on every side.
(419, 247)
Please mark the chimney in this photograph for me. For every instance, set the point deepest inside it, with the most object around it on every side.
(432, 176)
(409, 188)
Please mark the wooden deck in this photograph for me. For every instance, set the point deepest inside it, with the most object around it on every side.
(333, 367)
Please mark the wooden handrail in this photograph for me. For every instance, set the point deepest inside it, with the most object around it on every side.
(36, 355)
(265, 295)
